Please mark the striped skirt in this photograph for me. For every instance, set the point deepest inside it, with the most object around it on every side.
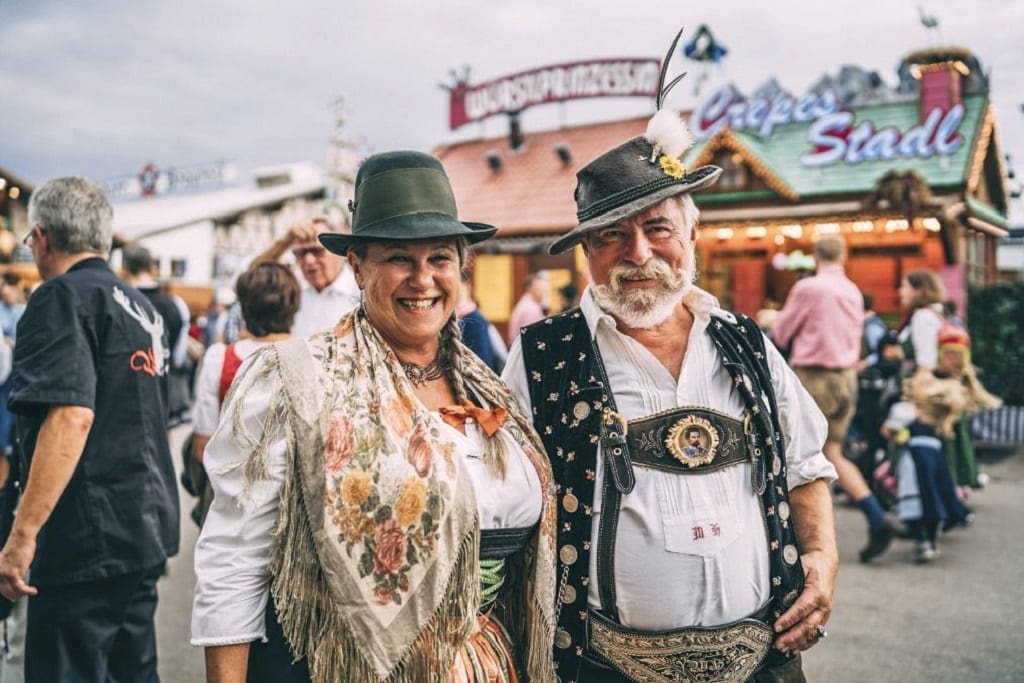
(486, 656)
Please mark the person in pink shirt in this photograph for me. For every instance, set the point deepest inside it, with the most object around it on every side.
(821, 324)
(530, 307)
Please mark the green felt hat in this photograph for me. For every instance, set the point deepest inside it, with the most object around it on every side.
(403, 196)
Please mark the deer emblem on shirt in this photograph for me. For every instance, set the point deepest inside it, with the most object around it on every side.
(152, 361)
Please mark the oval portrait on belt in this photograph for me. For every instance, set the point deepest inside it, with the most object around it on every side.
(693, 441)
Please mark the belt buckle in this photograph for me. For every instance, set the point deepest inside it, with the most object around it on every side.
(693, 441)
(726, 654)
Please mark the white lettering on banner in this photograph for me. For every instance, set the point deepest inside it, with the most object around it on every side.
(629, 77)
(831, 134)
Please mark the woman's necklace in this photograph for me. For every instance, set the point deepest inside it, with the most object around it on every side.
(419, 375)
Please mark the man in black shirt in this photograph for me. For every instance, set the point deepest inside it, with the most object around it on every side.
(138, 264)
(99, 514)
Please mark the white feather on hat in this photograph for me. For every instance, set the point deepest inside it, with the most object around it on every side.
(668, 133)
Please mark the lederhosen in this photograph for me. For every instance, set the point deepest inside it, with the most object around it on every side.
(574, 411)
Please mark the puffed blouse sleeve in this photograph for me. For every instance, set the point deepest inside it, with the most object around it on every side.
(233, 551)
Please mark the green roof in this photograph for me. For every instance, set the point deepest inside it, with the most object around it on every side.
(782, 150)
(987, 213)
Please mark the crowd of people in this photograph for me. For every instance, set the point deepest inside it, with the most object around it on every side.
(898, 399)
(377, 504)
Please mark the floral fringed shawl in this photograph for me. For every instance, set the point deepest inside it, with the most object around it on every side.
(374, 561)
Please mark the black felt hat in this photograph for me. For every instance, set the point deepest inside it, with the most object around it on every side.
(403, 196)
(637, 174)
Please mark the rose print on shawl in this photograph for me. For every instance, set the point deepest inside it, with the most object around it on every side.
(356, 488)
(420, 451)
(340, 443)
(398, 413)
(389, 548)
(411, 503)
(389, 476)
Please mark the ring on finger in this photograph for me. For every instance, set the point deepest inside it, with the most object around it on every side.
(821, 632)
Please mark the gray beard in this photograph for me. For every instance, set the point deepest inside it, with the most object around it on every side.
(643, 309)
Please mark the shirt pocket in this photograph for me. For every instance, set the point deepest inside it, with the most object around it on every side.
(695, 519)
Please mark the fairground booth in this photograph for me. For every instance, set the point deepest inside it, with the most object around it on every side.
(912, 176)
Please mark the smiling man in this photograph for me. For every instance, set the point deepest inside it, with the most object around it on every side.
(658, 547)
(329, 290)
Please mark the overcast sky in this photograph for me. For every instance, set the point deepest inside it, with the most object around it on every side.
(100, 87)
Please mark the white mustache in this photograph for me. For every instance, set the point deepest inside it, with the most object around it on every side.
(655, 269)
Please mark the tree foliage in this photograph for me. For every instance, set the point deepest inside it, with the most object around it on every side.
(996, 325)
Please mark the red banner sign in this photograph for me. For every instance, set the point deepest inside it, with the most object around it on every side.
(577, 80)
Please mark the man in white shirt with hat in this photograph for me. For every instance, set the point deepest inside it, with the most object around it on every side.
(675, 562)
(329, 289)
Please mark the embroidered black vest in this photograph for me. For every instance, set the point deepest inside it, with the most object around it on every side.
(569, 402)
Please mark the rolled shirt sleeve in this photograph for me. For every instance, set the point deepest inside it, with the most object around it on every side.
(233, 552)
(54, 363)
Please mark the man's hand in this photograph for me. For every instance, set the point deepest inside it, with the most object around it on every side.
(300, 232)
(811, 506)
(798, 626)
(297, 234)
(15, 559)
(59, 447)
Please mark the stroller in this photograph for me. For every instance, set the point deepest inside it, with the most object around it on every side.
(878, 388)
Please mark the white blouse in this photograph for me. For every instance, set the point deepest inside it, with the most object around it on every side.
(923, 332)
(233, 551)
(206, 409)
(667, 574)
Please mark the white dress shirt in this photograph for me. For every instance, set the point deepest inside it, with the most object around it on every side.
(233, 551)
(666, 578)
(319, 311)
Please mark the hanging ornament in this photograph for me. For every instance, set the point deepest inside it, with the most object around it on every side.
(705, 50)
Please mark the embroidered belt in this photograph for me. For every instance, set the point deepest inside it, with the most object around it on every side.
(687, 441)
(500, 543)
(728, 654)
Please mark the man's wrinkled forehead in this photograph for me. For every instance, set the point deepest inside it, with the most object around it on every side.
(666, 211)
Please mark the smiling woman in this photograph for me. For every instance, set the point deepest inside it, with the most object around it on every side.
(432, 555)
(410, 291)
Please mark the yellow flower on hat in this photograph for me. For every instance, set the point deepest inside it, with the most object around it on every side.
(671, 166)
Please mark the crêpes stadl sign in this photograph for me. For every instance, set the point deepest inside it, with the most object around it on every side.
(576, 80)
(832, 135)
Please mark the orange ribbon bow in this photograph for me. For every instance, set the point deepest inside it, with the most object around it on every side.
(489, 420)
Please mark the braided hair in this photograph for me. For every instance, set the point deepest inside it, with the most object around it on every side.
(450, 352)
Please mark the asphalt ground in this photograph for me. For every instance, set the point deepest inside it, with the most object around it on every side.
(959, 619)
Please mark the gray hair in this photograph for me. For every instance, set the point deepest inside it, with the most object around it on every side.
(75, 215)
(830, 249)
(691, 214)
(137, 259)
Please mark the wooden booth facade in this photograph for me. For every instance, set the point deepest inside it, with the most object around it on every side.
(912, 177)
